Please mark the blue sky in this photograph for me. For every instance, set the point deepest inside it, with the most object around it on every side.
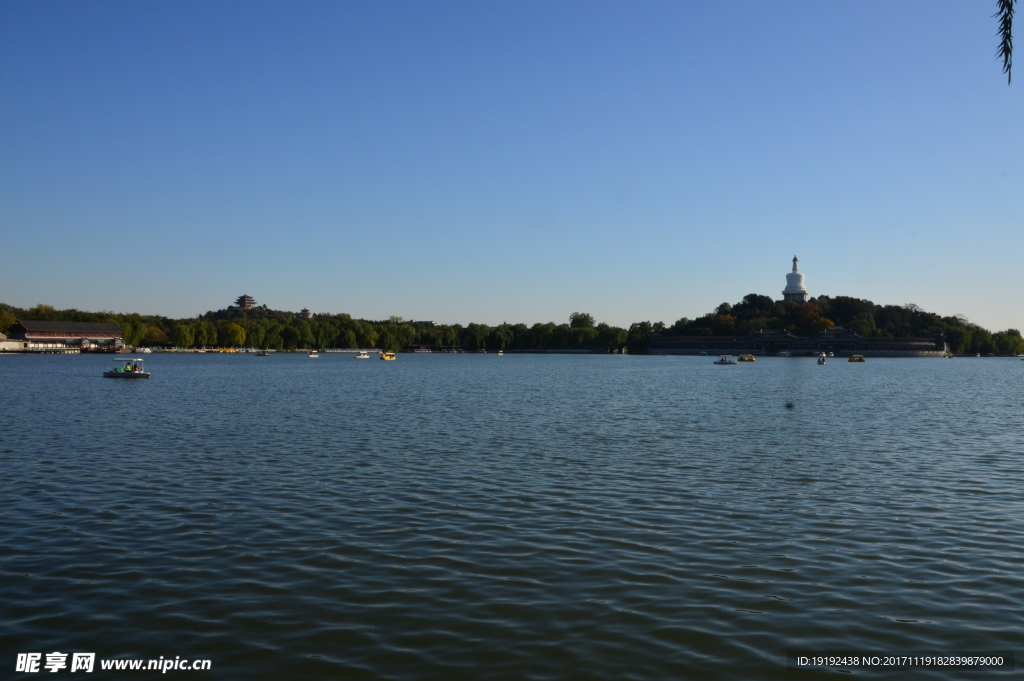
(507, 161)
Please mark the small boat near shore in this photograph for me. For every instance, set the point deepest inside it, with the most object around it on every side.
(746, 358)
(856, 358)
(362, 355)
(821, 358)
(313, 354)
(388, 356)
(127, 368)
(725, 360)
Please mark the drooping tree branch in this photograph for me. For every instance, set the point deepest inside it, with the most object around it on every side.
(1005, 51)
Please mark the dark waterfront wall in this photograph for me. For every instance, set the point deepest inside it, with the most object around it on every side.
(838, 341)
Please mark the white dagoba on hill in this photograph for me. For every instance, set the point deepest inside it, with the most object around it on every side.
(795, 289)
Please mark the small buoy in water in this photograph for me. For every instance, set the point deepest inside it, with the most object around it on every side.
(789, 405)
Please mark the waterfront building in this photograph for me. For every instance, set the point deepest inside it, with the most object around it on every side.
(9, 345)
(838, 340)
(795, 289)
(36, 335)
(245, 302)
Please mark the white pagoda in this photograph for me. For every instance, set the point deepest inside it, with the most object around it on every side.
(795, 289)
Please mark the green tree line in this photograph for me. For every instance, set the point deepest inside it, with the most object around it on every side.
(278, 330)
(275, 330)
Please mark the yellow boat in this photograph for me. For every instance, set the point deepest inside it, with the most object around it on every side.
(387, 355)
(746, 358)
(856, 358)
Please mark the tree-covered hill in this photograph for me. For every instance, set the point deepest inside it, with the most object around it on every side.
(863, 317)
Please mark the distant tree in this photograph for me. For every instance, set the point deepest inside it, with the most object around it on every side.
(863, 324)
(1008, 342)
(581, 320)
(154, 335)
(232, 335)
(7, 320)
(476, 335)
(182, 336)
(502, 336)
(821, 324)
(755, 302)
(347, 339)
(636, 337)
(289, 337)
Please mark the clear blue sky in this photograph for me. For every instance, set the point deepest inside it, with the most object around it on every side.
(493, 161)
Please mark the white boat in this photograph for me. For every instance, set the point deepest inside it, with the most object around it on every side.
(362, 355)
(725, 360)
(821, 358)
(313, 354)
(785, 353)
(145, 351)
(500, 353)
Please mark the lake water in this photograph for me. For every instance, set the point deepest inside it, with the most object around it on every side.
(516, 517)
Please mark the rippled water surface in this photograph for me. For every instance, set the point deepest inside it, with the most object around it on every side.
(485, 517)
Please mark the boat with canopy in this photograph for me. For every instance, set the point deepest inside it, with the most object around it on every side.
(130, 367)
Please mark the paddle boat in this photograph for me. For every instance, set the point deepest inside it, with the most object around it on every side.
(387, 356)
(785, 353)
(725, 360)
(262, 353)
(856, 358)
(746, 358)
(821, 358)
(127, 368)
(313, 354)
(362, 355)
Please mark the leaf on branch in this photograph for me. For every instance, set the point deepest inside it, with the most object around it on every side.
(1005, 50)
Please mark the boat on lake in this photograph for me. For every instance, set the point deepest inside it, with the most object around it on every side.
(261, 353)
(856, 358)
(387, 356)
(362, 355)
(821, 358)
(127, 368)
(746, 358)
(785, 353)
(313, 354)
(725, 360)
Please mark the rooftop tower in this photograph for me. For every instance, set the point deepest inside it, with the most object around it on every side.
(245, 302)
(795, 289)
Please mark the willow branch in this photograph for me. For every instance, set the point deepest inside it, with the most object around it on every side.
(1005, 50)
